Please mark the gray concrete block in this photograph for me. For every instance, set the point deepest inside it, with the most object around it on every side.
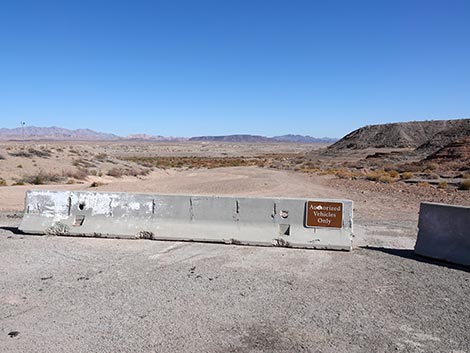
(235, 220)
(444, 233)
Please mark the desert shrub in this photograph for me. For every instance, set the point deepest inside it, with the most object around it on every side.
(433, 176)
(310, 164)
(442, 185)
(327, 171)
(79, 174)
(347, 174)
(424, 184)
(309, 170)
(385, 178)
(137, 172)
(18, 183)
(411, 167)
(71, 181)
(115, 172)
(19, 166)
(41, 178)
(382, 176)
(374, 175)
(101, 157)
(3, 182)
(464, 185)
(31, 152)
(344, 174)
(432, 166)
(95, 184)
(81, 162)
(1, 157)
(21, 153)
(407, 175)
(119, 172)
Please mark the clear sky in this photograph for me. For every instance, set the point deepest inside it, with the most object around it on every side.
(213, 67)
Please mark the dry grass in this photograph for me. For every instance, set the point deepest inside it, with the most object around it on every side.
(442, 185)
(380, 176)
(3, 182)
(464, 185)
(432, 166)
(407, 175)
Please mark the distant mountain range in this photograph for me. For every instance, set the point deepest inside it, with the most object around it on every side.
(257, 138)
(54, 133)
(62, 134)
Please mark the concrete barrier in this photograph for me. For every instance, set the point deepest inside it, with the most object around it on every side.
(444, 233)
(298, 223)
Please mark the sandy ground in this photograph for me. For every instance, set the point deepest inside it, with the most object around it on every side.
(60, 294)
(18, 160)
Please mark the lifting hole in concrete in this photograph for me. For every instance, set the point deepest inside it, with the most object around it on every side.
(284, 229)
(78, 221)
(81, 206)
(284, 214)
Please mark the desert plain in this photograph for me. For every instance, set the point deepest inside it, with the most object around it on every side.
(63, 294)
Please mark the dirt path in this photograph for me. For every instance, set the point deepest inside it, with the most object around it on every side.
(247, 181)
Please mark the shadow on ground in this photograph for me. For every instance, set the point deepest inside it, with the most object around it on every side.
(410, 254)
(14, 230)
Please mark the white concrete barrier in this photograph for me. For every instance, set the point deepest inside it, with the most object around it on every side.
(298, 223)
(444, 232)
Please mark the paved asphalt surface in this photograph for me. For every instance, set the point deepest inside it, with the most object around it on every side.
(63, 294)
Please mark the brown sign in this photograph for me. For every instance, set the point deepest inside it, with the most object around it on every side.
(324, 214)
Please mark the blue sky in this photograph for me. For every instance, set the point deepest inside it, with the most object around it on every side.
(213, 67)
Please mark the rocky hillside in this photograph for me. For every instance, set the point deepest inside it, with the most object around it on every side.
(425, 136)
(457, 150)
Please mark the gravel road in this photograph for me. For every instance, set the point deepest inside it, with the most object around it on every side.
(63, 294)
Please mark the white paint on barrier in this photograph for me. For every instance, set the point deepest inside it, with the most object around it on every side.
(233, 220)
